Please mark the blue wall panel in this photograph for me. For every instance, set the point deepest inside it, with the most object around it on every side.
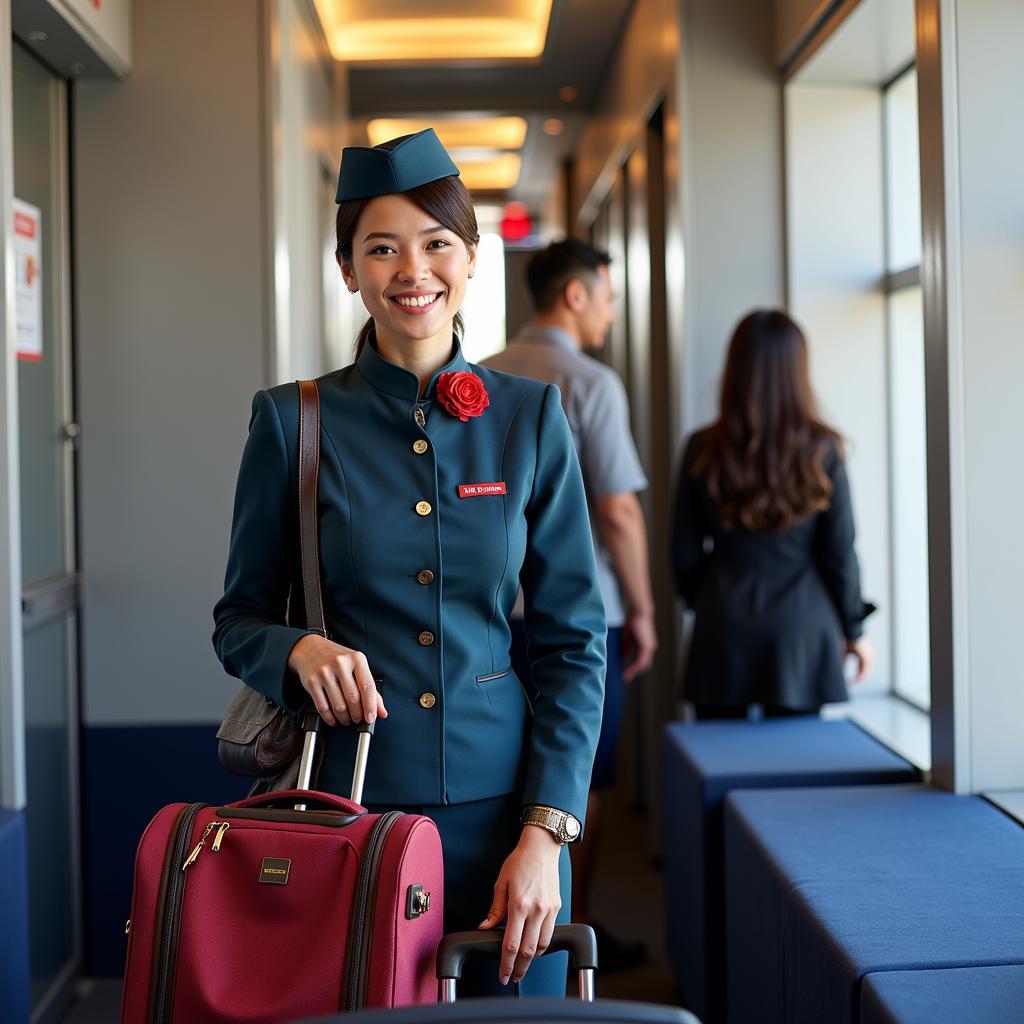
(13, 918)
(129, 773)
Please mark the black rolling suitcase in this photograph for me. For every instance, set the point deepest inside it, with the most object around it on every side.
(581, 944)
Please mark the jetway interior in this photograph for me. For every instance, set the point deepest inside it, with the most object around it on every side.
(168, 175)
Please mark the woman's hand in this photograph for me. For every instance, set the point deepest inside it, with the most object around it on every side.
(338, 680)
(862, 650)
(526, 893)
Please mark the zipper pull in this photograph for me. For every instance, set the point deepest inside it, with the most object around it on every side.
(219, 837)
(194, 855)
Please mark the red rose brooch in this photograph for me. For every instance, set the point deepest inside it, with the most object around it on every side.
(462, 394)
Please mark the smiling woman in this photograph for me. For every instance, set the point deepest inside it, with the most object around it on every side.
(442, 486)
(408, 254)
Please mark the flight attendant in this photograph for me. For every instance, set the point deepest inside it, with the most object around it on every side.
(442, 486)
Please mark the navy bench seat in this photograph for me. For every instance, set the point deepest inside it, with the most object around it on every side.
(963, 995)
(703, 763)
(826, 886)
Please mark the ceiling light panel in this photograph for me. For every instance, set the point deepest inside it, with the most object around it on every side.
(480, 132)
(396, 31)
(496, 175)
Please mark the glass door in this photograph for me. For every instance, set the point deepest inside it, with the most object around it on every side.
(50, 592)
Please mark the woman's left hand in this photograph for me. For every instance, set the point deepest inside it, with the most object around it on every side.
(526, 893)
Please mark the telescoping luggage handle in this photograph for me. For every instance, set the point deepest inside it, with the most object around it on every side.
(311, 727)
(578, 940)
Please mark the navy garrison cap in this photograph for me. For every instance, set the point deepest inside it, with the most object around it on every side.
(410, 161)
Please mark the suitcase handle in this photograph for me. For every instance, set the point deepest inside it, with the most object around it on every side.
(289, 796)
(578, 940)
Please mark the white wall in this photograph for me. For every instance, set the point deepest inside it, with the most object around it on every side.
(173, 338)
(731, 159)
(836, 248)
(174, 189)
(990, 75)
(307, 106)
(644, 68)
(972, 168)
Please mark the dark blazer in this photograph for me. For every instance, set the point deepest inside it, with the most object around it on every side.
(427, 596)
(771, 609)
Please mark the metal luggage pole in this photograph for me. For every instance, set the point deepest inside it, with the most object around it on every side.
(362, 753)
(311, 725)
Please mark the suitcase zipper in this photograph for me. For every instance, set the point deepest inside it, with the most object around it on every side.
(362, 920)
(171, 917)
(222, 827)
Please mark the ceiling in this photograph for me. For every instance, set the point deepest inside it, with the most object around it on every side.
(874, 43)
(563, 83)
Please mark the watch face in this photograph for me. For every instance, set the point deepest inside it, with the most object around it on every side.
(572, 827)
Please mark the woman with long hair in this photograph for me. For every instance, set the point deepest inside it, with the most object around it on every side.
(763, 538)
(441, 486)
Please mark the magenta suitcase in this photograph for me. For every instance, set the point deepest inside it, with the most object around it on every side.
(282, 906)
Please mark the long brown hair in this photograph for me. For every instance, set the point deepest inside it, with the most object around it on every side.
(764, 456)
(447, 199)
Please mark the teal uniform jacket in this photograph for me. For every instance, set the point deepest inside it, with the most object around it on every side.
(425, 590)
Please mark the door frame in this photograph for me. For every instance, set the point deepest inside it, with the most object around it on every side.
(42, 602)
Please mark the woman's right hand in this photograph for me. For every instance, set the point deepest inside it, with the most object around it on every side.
(862, 650)
(337, 679)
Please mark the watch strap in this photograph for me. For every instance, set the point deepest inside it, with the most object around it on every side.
(561, 824)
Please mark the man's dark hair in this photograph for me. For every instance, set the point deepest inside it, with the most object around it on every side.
(551, 269)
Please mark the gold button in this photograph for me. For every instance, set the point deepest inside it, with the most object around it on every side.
(424, 576)
(423, 508)
(427, 700)
(426, 638)
(420, 418)
(420, 446)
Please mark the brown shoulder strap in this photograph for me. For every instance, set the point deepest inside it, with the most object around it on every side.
(309, 469)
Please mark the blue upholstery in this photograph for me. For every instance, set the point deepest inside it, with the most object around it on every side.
(828, 885)
(704, 762)
(965, 995)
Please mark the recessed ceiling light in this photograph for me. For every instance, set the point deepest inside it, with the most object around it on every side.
(568, 94)
(386, 30)
(478, 132)
(552, 126)
(491, 175)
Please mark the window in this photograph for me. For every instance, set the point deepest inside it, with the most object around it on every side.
(484, 305)
(905, 342)
(854, 249)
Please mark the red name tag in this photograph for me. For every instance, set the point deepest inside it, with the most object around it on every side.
(482, 490)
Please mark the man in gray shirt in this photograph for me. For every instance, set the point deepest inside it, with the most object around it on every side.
(572, 292)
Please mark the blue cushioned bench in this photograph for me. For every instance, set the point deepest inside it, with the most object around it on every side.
(965, 995)
(825, 886)
(703, 763)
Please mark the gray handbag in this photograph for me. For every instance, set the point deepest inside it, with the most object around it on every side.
(258, 737)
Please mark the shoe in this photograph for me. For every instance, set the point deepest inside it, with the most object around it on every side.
(613, 954)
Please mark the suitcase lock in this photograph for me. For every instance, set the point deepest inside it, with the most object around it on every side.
(417, 902)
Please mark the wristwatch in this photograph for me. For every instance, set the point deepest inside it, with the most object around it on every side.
(561, 824)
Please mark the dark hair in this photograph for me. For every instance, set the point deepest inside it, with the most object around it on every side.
(447, 199)
(764, 456)
(551, 269)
